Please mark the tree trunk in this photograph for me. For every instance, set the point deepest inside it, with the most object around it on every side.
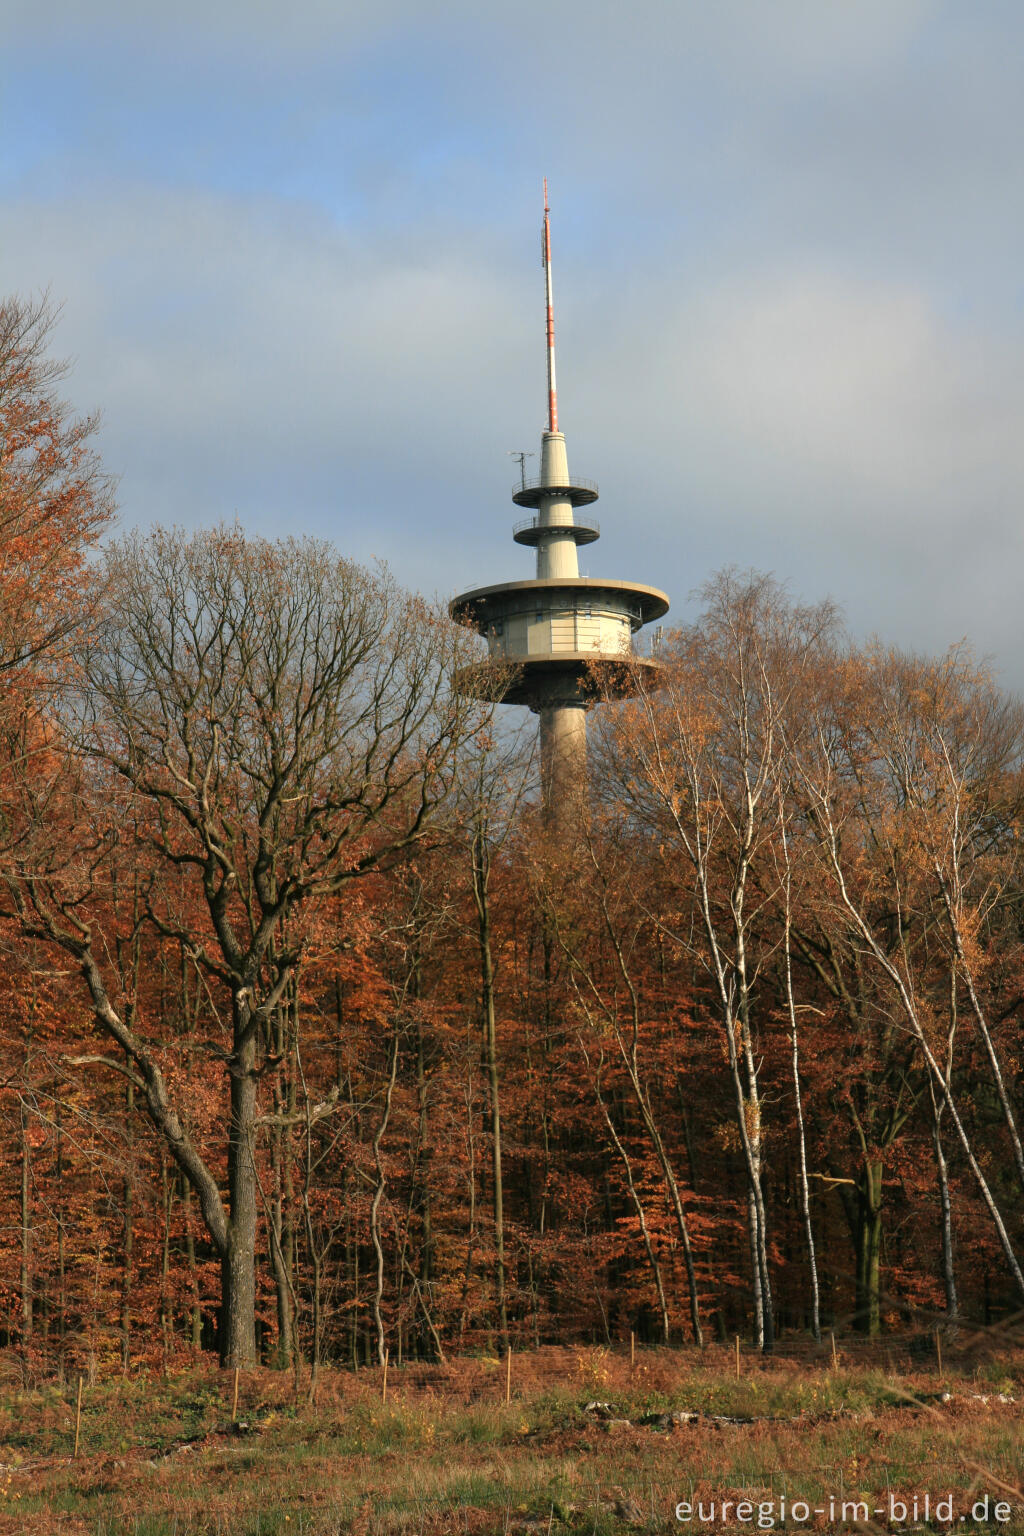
(491, 1049)
(281, 1219)
(62, 1299)
(749, 1101)
(196, 1317)
(756, 1271)
(421, 1191)
(25, 1267)
(166, 1318)
(129, 1236)
(480, 874)
(238, 1266)
(641, 1214)
(805, 1196)
(278, 1262)
(378, 1195)
(318, 1328)
(867, 1307)
(945, 1210)
(467, 1277)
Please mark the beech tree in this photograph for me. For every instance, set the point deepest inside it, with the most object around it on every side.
(55, 497)
(491, 793)
(289, 723)
(612, 928)
(417, 1071)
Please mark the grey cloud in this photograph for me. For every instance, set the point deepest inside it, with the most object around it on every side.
(248, 362)
(808, 34)
(789, 319)
(836, 429)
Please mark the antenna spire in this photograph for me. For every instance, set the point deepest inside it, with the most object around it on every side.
(552, 389)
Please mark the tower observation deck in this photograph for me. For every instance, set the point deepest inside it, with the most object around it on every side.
(558, 642)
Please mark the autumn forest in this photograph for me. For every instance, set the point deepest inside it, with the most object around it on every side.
(320, 1036)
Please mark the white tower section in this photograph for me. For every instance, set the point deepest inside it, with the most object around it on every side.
(566, 635)
(556, 552)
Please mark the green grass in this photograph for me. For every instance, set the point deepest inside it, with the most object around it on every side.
(445, 1453)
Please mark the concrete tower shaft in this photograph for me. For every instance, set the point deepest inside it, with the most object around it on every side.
(555, 643)
(556, 548)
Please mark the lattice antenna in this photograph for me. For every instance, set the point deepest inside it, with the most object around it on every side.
(522, 454)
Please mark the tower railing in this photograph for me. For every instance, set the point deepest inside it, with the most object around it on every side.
(536, 483)
(590, 524)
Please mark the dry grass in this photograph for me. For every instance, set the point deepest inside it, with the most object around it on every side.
(160, 1458)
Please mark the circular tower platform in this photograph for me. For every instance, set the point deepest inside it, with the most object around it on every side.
(560, 678)
(483, 605)
(558, 641)
(532, 492)
(582, 530)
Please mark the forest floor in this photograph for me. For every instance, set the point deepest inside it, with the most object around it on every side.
(588, 1443)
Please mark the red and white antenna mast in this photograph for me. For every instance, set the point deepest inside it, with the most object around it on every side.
(552, 388)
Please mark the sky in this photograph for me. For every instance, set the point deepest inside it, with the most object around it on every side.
(298, 253)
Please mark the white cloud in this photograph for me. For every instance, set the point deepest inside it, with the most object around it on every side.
(856, 383)
(790, 339)
(256, 359)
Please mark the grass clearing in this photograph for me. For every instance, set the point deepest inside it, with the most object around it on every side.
(159, 1457)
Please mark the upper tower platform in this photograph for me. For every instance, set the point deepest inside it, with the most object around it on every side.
(560, 640)
(532, 492)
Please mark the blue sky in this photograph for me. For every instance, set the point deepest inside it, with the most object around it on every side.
(298, 253)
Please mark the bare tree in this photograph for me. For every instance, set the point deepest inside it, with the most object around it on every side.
(866, 788)
(612, 1009)
(288, 721)
(794, 1038)
(596, 1073)
(491, 787)
(954, 747)
(697, 760)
